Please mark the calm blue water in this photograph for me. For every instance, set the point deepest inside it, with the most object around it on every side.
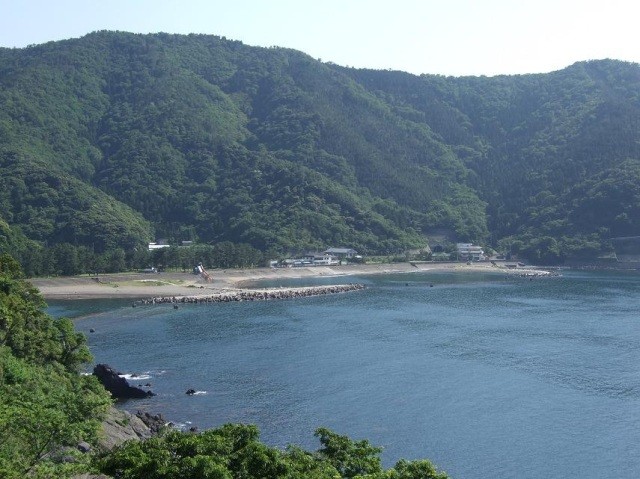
(485, 376)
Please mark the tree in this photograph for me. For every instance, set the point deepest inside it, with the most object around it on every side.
(350, 458)
(66, 258)
(45, 404)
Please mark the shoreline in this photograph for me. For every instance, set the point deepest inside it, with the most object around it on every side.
(139, 286)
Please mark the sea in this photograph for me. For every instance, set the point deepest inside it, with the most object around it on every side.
(486, 375)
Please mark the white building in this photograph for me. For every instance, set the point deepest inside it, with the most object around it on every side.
(470, 252)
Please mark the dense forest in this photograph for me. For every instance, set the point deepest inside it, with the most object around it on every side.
(48, 409)
(113, 140)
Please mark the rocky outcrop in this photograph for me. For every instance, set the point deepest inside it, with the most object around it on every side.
(154, 422)
(120, 426)
(118, 386)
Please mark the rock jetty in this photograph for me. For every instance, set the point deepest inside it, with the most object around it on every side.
(256, 295)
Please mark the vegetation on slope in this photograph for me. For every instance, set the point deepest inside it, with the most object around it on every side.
(46, 406)
(533, 143)
(234, 451)
(210, 140)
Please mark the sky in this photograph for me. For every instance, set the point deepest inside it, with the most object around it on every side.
(445, 37)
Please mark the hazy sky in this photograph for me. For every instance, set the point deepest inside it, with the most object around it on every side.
(449, 37)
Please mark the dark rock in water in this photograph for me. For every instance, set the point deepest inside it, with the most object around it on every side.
(92, 330)
(191, 392)
(193, 429)
(117, 386)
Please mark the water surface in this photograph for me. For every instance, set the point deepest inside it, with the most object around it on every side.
(485, 375)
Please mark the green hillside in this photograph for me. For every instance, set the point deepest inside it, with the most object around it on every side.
(113, 139)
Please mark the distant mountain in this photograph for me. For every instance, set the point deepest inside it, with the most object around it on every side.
(113, 139)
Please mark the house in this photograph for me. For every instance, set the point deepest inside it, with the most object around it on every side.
(310, 256)
(470, 252)
(293, 263)
(342, 252)
(319, 259)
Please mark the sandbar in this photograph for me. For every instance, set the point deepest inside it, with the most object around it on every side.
(178, 284)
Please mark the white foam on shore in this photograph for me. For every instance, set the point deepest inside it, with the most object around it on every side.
(134, 376)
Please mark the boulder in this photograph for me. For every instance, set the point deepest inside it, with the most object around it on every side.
(118, 387)
(84, 447)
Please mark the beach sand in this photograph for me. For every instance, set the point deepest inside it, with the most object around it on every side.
(141, 285)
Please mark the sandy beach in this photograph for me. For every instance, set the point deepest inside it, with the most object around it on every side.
(141, 285)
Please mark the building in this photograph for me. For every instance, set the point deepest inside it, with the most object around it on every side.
(342, 252)
(318, 258)
(470, 252)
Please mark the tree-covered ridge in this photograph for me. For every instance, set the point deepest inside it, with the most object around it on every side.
(531, 142)
(234, 451)
(45, 404)
(212, 140)
(52, 206)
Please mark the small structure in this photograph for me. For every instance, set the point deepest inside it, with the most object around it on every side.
(158, 245)
(342, 253)
(199, 270)
(470, 252)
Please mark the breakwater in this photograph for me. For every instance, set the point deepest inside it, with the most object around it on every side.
(254, 295)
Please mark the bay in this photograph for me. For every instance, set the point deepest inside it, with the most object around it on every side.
(486, 375)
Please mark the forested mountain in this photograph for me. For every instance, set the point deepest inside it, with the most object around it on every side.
(113, 139)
